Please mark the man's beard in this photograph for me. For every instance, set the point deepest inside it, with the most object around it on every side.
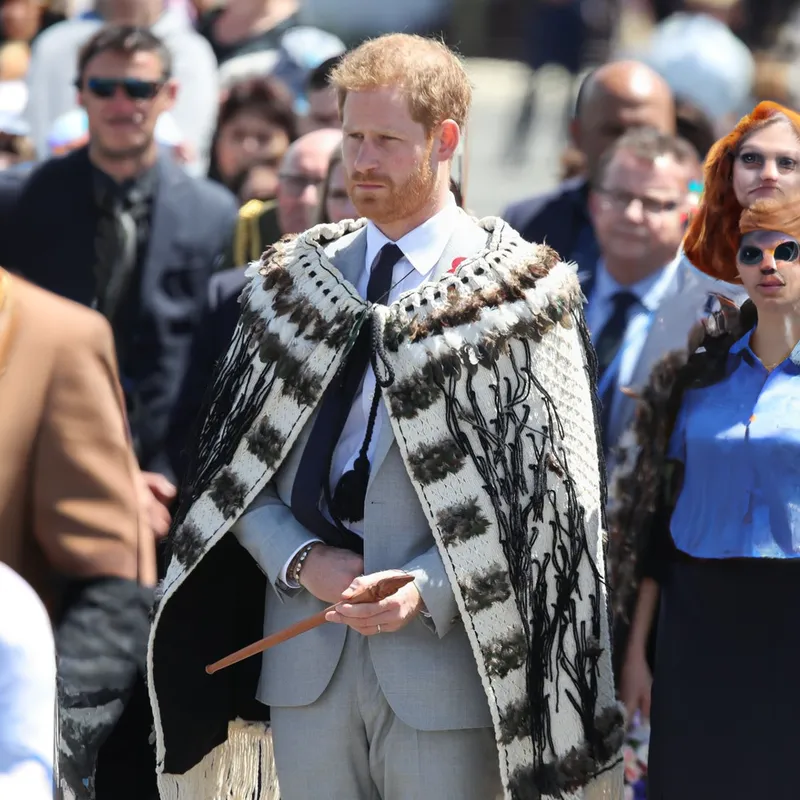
(397, 201)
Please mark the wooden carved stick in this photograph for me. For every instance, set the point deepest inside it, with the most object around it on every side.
(384, 588)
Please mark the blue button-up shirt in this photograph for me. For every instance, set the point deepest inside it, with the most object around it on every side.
(739, 441)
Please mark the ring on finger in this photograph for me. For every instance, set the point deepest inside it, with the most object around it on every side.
(379, 628)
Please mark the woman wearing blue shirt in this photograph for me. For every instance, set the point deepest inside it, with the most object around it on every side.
(711, 512)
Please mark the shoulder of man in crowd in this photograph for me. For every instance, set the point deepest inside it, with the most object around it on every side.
(254, 231)
(523, 212)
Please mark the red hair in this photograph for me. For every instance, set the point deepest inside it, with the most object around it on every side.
(712, 241)
(782, 216)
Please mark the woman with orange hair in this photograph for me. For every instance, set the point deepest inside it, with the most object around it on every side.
(709, 499)
(759, 159)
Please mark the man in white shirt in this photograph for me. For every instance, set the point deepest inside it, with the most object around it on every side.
(405, 396)
(27, 692)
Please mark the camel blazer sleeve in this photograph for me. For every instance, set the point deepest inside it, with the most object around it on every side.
(86, 484)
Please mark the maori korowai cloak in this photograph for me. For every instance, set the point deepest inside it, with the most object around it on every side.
(488, 379)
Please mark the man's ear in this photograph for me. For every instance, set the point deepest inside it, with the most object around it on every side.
(79, 96)
(449, 139)
(170, 92)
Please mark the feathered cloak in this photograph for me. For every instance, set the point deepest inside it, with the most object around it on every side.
(488, 379)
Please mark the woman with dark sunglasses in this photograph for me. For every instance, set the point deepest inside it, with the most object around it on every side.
(759, 158)
(708, 507)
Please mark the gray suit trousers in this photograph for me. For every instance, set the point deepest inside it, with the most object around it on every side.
(349, 745)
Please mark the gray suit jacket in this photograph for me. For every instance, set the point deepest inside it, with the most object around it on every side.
(427, 671)
(683, 304)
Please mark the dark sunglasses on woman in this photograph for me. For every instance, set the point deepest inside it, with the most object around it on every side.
(752, 256)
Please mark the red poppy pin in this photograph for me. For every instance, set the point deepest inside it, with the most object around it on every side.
(456, 264)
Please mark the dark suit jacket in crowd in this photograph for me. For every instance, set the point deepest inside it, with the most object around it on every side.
(50, 239)
(560, 219)
(211, 343)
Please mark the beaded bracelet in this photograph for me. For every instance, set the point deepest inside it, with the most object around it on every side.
(297, 566)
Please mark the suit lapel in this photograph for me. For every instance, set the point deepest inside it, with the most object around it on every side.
(467, 240)
(165, 218)
(349, 258)
(679, 308)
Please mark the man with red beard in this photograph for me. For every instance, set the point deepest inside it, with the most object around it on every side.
(407, 399)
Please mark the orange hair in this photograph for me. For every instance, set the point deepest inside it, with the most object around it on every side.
(712, 241)
(782, 216)
(431, 75)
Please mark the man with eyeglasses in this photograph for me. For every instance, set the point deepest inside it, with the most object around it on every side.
(638, 203)
(645, 297)
(301, 176)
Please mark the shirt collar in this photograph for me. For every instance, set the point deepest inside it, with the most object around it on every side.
(422, 247)
(143, 185)
(650, 290)
(742, 349)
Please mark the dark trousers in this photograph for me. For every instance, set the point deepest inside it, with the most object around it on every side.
(126, 764)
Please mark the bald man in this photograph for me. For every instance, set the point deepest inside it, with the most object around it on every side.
(302, 174)
(612, 100)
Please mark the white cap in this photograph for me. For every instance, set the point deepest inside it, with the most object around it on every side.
(703, 62)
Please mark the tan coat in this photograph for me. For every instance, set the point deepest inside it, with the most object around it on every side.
(69, 483)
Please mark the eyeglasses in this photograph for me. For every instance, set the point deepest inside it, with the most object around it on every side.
(296, 184)
(621, 201)
(752, 256)
(134, 88)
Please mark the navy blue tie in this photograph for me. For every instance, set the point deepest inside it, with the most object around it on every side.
(610, 338)
(312, 481)
(607, 345)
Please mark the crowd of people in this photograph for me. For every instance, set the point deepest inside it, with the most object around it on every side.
(512, 500)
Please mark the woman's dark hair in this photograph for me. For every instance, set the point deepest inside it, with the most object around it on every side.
(266, 97)
(127, 40)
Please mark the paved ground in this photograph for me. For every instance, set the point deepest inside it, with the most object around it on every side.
(491, 181)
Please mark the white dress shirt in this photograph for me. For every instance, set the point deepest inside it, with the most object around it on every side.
(27, 692)
(422, 249)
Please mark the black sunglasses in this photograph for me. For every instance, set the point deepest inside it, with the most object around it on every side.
(752, 256)
(133, 87)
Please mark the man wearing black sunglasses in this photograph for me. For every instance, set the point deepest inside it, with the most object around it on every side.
(119, 226)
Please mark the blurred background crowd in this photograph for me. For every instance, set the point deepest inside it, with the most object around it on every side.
(606, 169)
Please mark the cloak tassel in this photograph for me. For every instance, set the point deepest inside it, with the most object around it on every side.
(243, 768)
